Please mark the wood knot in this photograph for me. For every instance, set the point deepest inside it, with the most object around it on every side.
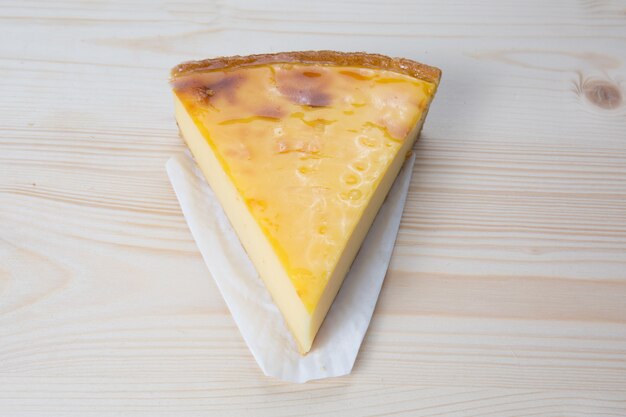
(603, 94)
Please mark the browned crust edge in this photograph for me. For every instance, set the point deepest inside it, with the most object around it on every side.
(353, 59)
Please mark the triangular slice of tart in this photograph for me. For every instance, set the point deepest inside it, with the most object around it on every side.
(301, 149)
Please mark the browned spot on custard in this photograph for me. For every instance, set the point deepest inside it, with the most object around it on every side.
(311, 74)
(194, 86)
(227, 86)
(204, 94)
(303, 89)
(197, 89)
(603, 94)
(186, 84)
(271, 111)
(205, 90)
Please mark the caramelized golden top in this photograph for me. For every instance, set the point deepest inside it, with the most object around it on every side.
(306, 146)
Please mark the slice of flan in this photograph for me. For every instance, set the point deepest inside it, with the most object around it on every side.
(301, 149)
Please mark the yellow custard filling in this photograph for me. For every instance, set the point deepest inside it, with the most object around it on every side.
(305, 149)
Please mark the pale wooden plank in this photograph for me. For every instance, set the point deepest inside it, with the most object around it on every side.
(507, 290)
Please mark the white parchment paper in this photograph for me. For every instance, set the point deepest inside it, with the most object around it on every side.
(259, 320)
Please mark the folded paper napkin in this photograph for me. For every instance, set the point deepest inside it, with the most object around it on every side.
(259, 320)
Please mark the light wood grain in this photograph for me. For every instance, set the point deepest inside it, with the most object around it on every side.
(506, 294)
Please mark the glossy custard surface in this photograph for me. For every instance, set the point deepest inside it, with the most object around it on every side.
(305, 146)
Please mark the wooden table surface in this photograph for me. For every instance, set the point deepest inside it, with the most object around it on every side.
(506, 294)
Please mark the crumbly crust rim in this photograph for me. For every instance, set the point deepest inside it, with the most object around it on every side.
(351, 59)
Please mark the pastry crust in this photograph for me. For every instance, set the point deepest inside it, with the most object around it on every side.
(352, 59)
